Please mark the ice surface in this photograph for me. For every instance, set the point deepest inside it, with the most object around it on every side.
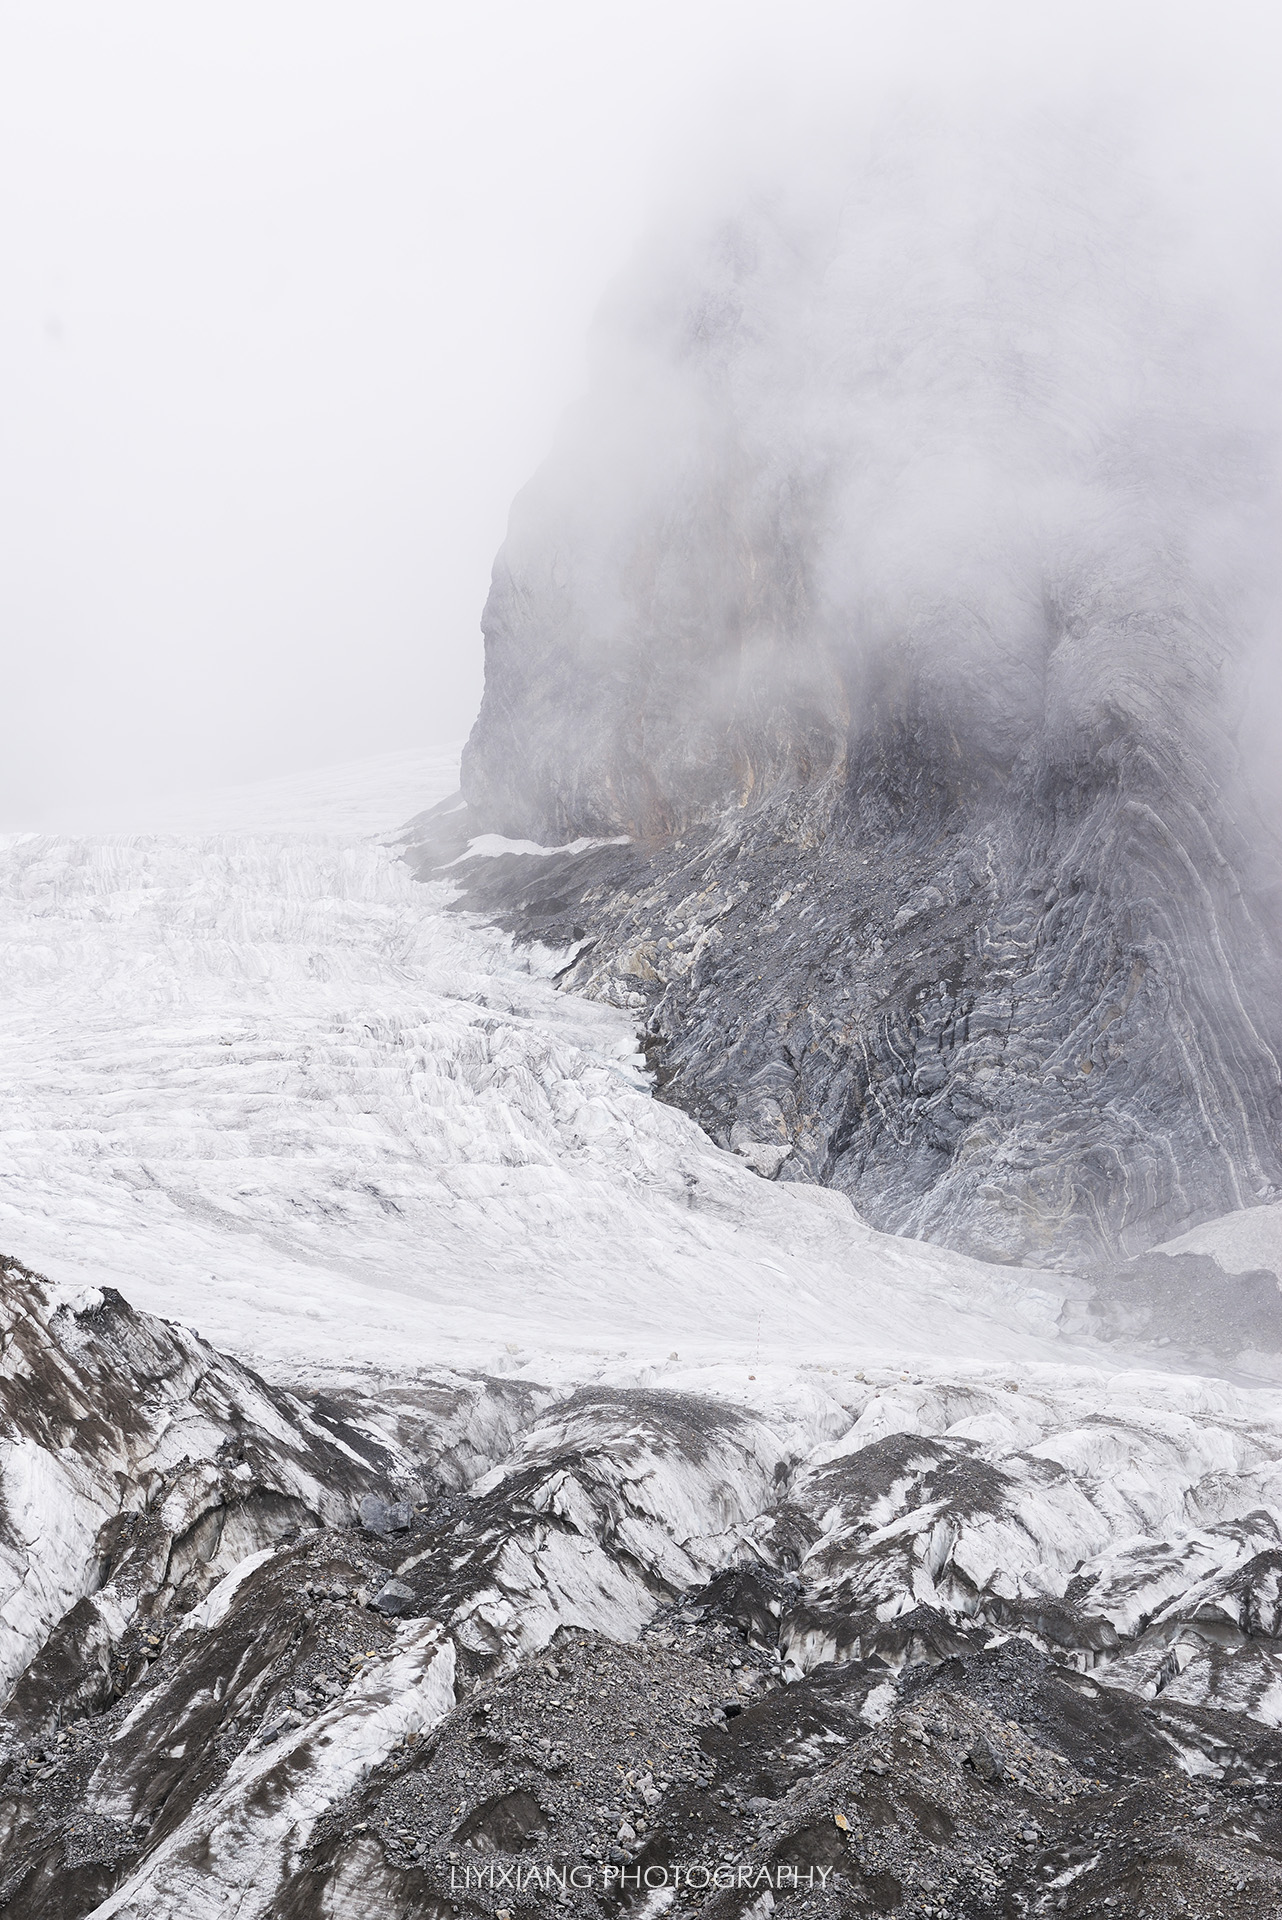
(259, 1079)
(1249, 1239)
(488, 846)
(263, 1082)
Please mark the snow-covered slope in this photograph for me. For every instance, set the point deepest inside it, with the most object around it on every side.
(260, 1079)
(1249, 1239)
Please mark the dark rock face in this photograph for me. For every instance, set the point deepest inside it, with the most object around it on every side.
(1026, 1050)
(908, 656)
(639, 1646)
(153, 1466)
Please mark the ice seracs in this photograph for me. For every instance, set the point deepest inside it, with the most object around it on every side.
(258, 1077)
(538, 1372)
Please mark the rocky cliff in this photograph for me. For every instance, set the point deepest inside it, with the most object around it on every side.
(888, 605)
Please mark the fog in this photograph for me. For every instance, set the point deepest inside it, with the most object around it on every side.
(295, 295)
(961, 405)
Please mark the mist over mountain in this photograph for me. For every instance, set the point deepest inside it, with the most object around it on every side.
(462, 1450)
(897, 590)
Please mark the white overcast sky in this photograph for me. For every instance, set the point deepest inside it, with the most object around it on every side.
(292, 294)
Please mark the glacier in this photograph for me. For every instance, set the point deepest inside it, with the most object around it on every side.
(258, 1077)
(390, 1381)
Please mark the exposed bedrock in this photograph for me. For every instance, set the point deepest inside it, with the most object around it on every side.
(890, 597)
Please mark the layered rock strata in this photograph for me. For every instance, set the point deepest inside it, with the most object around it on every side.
(888, 597)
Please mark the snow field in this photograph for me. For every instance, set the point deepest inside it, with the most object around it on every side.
(255, 1076)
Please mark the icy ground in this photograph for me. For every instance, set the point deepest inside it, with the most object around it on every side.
(260, 1080)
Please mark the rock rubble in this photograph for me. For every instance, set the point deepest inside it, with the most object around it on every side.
(911, 1645)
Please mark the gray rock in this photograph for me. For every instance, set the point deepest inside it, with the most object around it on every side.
(378, 1515)
(1201, 1307)
(483, 1777)
(946, 885)
(394, 1597)
(986, 1762)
